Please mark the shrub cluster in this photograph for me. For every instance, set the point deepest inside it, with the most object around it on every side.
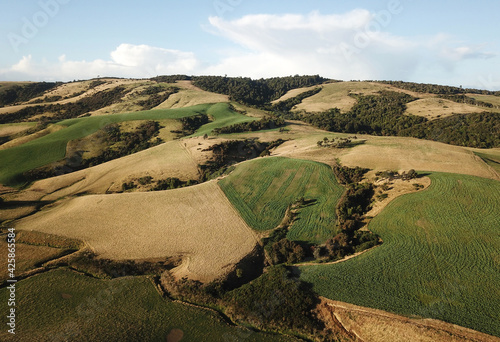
(119, 144)
(233, 151)
(191, 124)
(265, 123)
(255, 92)
(23, 93)
(347, 175)
(157, 95)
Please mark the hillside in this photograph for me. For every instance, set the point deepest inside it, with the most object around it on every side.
(253, 198)
(195, 223)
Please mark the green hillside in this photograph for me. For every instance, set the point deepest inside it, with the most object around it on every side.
(440, 256)
(52, 147)
(262, 190)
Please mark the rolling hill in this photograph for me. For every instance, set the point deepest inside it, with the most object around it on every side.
(230, 194)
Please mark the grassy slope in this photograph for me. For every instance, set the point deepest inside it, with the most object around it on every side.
(439, 259)
(223, 116)
(337, 95)
(262, 189)
(52, 147)
(62, 305)
(494, 100)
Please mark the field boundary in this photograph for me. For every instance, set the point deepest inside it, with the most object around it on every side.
(428, 323)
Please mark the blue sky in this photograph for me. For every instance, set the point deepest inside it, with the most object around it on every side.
(446, 42)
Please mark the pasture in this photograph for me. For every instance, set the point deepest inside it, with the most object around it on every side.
(170, 159)
(490, 157)
(62, 305)
(11, 129)
(196, 223)
(262, 189)
(434, 108)
(189, 95)
(52, 147)
(336, 95)
(440, 257)
(494, 100)
(222, 116)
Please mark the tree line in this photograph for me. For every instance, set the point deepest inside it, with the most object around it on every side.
(384, 114)
(265, 123)
(255, 92)
(437, 89)
(22, 93)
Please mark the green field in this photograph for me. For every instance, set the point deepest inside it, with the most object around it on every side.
(262, 189)
(223, 116)
(52, 147)
(62, 305)
(440, 257)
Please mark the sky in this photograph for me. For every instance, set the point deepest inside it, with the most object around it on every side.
(440, 41)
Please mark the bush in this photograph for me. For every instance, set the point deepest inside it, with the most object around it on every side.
(275, 300)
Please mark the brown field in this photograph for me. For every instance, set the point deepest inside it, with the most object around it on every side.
(371, 325)
(293, 93)
(197, 223)
(7, 214)
(34, 249)
(434, 108)
(28, 257)
(394, 153)
(384, 153)
(337, 95)
(189, 95)
(27, 138)
(170, 159)
(6, 130)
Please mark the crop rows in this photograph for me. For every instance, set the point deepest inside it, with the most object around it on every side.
(262, 189)
(439, 259)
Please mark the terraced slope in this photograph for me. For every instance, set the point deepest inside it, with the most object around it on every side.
(440, 257)
(262, 189)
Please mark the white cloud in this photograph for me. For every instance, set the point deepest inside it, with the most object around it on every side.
(126, 60)
(465, 52)
(354, 45)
